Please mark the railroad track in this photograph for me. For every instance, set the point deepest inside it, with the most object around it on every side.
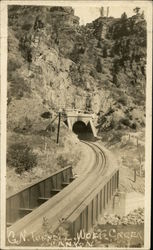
(69, 204)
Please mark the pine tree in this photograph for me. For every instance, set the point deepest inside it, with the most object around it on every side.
(124, 16)
(136, 10)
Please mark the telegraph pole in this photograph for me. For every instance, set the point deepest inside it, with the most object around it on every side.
(58, 129)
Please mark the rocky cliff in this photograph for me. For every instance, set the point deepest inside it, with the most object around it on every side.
(54, 62)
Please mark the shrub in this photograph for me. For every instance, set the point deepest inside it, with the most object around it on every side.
(93, 73)
(19, 87)
(133, 125)
(62, 161)
(115, 81)
(123, 100)
(116, 66)
(13, 64)
(110, 111)
(46, 115)
(99, 66)
(24, 127)
(26, 26)
(125, 121)
(21, 157)
(105, 54)
(25, 48)
(112, 124)
(124, 16)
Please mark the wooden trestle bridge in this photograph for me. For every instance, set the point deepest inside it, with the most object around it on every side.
(61, 198)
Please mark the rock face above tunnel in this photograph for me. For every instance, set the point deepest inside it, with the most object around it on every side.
(64, 16)
(55, 62)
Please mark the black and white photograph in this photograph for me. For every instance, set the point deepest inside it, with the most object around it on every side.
(76, 83)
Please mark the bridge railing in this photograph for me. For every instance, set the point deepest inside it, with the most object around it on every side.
(25, 201)
(87, 215)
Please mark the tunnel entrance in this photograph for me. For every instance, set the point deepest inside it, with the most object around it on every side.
(83, 131)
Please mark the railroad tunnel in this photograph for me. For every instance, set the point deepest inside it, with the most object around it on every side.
(83, 131)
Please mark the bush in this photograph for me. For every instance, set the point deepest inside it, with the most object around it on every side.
(19, 87)
(13, 64)
(21, 157)
(123, 101)
(125, 121)
(46, 115)
(105, 54)
(133, 125)
(115, 81)
(99, 66)
(62, 161)
(124, 16)
(25, 48)
(26, 26)
(24, 127)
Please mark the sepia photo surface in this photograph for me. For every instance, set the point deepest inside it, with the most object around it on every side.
(76, 83)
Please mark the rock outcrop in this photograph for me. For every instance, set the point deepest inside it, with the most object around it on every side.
(58, 63)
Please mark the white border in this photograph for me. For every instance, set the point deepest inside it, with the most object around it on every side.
(148, 137)
(3, 115)
(148, 5)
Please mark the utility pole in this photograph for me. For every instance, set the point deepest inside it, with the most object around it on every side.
(58, 129)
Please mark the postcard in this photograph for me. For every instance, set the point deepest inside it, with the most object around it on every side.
(76, 109)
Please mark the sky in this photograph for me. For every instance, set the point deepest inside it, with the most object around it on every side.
(89, 13)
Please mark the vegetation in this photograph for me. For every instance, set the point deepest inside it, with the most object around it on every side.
(21, 157)
(46, 115)
(123, 100)
(19, 86)
(99, 66)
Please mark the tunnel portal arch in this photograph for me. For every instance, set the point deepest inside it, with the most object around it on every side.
(82, 130)
(79, 127)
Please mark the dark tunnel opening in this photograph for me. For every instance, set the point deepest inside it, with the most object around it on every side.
(83, 131)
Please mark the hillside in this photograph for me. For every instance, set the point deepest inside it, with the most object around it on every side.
(54, 62)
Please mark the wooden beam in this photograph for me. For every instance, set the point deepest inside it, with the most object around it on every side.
(26, 209)
(64, 184)
(43, 199)
(55, 191)
(72, 178)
